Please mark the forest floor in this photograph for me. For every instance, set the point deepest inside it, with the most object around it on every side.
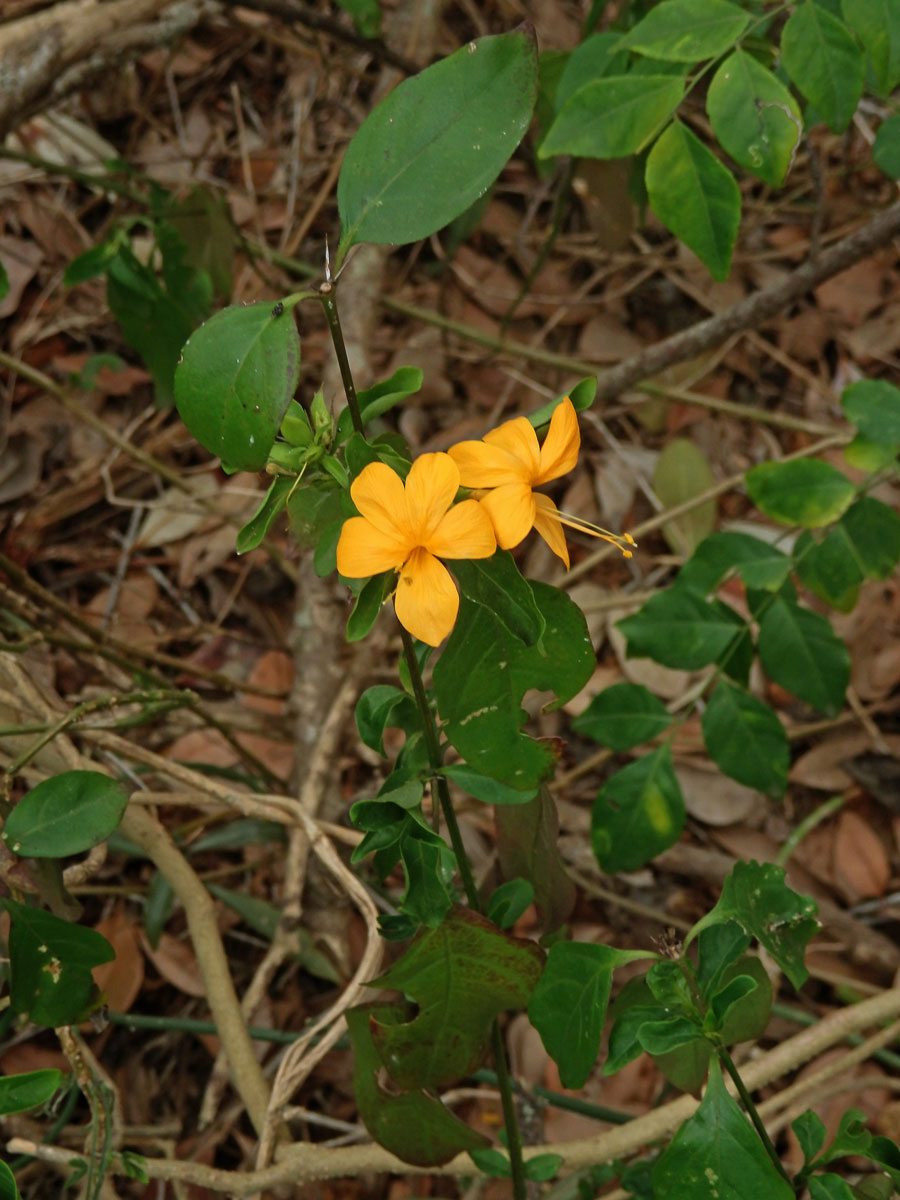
(117, 541)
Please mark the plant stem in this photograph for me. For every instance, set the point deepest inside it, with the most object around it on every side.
(807, 825)
(439, 782)
(728, 1063)
(326, 295)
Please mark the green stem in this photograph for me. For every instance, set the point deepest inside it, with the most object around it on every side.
(816, 817)
(439, 782)
(326, 295)
(728, 1063)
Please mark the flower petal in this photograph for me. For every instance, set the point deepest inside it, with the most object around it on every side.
(559, 453)
(465, 532)
(519, 439)
(363, 550)
(431, 486)
(548, 525)
(484, 466)
(511, 509)
(426, 600)
(377, 492)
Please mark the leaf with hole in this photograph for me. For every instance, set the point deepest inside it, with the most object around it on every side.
(754, 117)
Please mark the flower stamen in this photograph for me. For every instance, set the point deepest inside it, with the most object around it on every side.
(621, 541)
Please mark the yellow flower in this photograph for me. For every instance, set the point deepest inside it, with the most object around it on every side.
(407, 528)
(510, 463)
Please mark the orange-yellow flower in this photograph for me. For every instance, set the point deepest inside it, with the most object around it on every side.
(509, 463)
(408, 528)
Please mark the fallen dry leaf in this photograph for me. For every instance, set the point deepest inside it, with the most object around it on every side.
(861, 863)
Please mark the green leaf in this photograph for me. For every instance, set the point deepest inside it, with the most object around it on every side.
(414, 1125)
(680, 629)
(694, 196)
(759, 564)
(527, 841)
(368, 604)
(868, 456)
(852, 1136)
(877, 25)
(687, 30)
(443, 972)
(810, 1133)
(624, 1045)
(65, 814)
(805, 491)
(18, 1093)
(203, 222)
(235, 381)
(427, 897)
(622, 716)
(886, 1153)
(717, 1154)
(755, 896)
(235, 835)
(800, 650)
(581, 394)
(719, 947)
(596, 56)
(366, 16)
(664, 1037)
(829, 568)
(613, 117)
(484, 672)
(682, 473)
(381, 706)
(50, 962)
(494, 1163)
(158, 907)
(746, 740)
(381, 397)
(755, 117)
(437, 142)
(92, 262)
(638, 813)
(8, 1189)
(485, 789)
(543, 1167)
(886, 147)
(873, 406)
(824, 62)
(497, 584)
(873, 530)
(568, 1006)
(508, 902)
(252, 534)
(829, 1187)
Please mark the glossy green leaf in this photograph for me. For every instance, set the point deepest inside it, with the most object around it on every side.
(443, 972)
(694, 196)
(414, 1125)
(687, 30)
(852, 1136)
(8, 1189)
(825, 63)
(18, 1093)
(746, 740)
(638, 813)
(613, 117)
(716, 1154)
(868, 456)
(496, 583)
(873, 530)
(680, 629)
(755, 896)
(92, 262)
(829, 1187)
(622, 716)
(581, 394)
(758, 563)
(485, 789)
(800, 650)
(718, 948)
(568, 1006)
(369, 603)
(483, 673)
(379, 707)
(252, 534)
(682, 473)
(236, 379)
(668, 1035)
(886, 147)
(877, 25)
(427, 897)
(754, 117)
(437, 142)
(805, 491)
(873, 406)
(66, 814)
(494, 1163)
(624, 1045)
(542, 1167)
(508, 902)
(734, 996)
(527, 841)
(598, 55)
(810, 1133)
(381, 397)
(829, 568)
(50, 964)
(886, 1153)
